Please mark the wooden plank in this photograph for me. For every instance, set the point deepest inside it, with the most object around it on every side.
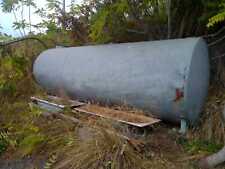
(124, 117)
(147, 121)
(72, 103)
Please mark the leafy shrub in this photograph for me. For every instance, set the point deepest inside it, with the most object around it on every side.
(30, 143)
(201, 146)
(3, 142)
(12, 70)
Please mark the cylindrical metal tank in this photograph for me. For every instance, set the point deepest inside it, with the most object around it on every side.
(168, 79)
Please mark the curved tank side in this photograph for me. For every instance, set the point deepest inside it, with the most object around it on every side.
(155, 76)
(197, 81)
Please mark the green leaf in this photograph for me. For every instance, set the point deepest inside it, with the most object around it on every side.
(216, 19)
(29, 143)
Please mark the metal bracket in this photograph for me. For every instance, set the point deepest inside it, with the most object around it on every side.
(183, 126)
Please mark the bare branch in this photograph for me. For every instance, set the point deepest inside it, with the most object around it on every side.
(218, 57)
(216, 42)
(214, 34)
(169, 19)
(3, 44)
(136, 31)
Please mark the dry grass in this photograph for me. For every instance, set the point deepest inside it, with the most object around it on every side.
(106, 149)
(99, 153)
(103, 151)
(212, 126)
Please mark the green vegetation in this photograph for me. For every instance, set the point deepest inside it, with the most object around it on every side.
(197, 146)
(219, 17)
(4, 37)
(3, 142)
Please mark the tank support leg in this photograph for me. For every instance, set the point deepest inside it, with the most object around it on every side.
(183, 126)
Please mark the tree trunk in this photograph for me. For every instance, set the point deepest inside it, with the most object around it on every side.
(64, 14)
(30, 18)
(169, 18)
(14, 13)
(224, 115)
(64, 6)
(22, 17)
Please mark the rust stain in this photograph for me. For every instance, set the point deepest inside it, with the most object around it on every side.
(179, 95)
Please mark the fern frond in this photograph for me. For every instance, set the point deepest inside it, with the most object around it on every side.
(220, 17)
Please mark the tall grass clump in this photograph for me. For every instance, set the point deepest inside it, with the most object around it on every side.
(105, 150)
(212, 124)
